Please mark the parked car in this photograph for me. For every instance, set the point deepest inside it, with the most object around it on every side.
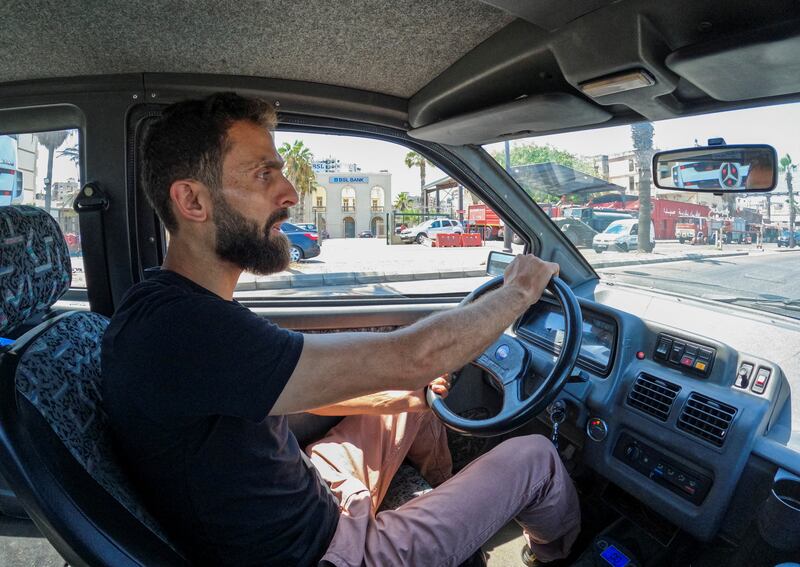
(366, 234)
(622, 234)
(783, 239)
(430, 228)
(576, 231)
(304, 244)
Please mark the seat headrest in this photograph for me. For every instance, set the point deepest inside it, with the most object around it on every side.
(35, 268)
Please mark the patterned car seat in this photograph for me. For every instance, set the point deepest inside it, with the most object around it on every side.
(55, 445)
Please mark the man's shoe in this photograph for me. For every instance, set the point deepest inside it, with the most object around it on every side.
(529, 559)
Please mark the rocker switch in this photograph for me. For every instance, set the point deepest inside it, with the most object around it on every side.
(760, 383)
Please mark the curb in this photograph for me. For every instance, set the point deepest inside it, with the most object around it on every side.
(618, 263)
(352, 278)
(286, 281)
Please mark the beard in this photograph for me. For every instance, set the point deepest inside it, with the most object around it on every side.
(242, 242)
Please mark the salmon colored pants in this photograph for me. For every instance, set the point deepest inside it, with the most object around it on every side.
(522, 478)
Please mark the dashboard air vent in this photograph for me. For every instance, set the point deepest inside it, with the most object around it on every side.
(653, 395)
(706, 418)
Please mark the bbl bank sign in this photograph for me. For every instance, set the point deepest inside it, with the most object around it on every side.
(363, 179)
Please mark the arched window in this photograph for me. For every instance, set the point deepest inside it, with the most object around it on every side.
(320, 197)
(376, 197)
(348, 199)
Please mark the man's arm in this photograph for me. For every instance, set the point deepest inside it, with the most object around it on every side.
(342, 366)
(387, 402)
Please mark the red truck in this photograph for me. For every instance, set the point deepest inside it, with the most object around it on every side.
(484, 220)
(693, 230)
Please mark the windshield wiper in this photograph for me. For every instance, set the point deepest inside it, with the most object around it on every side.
(781, 302)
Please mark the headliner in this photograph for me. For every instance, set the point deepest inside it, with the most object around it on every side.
(454, 72)
(335, 42)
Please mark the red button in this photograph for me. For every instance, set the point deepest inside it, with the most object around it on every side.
(761, 380)
(687, 360)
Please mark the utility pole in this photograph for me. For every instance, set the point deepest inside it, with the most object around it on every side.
(507, 236)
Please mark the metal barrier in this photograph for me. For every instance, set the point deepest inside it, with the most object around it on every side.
(471, 239)
(448, 240)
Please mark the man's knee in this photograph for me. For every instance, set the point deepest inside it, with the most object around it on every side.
(530, 450)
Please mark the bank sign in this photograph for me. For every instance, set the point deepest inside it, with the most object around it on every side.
(362, 179)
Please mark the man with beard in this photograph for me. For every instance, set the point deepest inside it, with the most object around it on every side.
(197, 387)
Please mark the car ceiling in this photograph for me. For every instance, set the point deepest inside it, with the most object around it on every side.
(463, 71)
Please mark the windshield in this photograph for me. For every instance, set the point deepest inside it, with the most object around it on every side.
(731, 248)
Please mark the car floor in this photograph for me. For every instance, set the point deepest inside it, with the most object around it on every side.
(505, 547)
(22, 545)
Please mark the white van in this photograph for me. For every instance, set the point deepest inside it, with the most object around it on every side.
(622, 234)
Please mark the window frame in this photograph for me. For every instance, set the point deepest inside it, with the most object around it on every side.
(447, 161)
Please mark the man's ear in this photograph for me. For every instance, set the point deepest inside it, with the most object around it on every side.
(190, 199)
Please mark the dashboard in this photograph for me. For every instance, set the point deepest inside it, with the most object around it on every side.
(544, 326)
(670, 410)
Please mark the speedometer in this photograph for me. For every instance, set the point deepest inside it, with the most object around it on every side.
(544, 324)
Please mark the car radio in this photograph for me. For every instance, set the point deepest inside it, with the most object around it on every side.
(646, 460)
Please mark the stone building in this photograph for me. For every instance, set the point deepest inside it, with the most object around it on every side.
(345, 204)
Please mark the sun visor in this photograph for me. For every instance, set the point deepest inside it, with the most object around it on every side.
(523, 117)
(754, 65)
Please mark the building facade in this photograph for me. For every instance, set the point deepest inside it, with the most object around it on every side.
(345, 204)
(27, 147)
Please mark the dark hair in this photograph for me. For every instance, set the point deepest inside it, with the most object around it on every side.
(189, 141)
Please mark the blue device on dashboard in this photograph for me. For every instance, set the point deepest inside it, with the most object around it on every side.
(615, 557)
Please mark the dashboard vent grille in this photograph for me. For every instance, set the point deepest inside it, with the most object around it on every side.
(653, 396)
(706, 418)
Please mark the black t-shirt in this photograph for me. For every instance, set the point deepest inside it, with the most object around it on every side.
(188, 381)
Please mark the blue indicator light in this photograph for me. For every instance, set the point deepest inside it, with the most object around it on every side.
(615, 557)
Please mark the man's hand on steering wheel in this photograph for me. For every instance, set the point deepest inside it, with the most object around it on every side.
(530, 276)
(507, 360)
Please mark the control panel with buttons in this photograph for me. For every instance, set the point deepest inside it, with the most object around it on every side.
(685, 354)
(756, 382)
(659, 468)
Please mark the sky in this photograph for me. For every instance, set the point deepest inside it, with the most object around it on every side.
(778, 126)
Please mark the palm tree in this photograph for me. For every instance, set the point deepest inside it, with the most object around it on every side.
(71, 153)
(300, 172)
(51, 141)
(413, 159)
(787, 167)
(642, 136)
(730, 203)
(402, 202)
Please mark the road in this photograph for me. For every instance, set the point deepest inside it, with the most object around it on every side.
(371, 260)
(770, 276)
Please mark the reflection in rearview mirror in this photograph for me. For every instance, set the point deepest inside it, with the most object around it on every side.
(497, 262)
(717, 169)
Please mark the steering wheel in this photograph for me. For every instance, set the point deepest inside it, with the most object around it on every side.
(507, 361)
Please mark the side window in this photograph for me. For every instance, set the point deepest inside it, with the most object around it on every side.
(41, 169)
(634, 230)
(373, 213)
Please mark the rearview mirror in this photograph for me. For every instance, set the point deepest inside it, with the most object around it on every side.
(717, 169)
(498, 262)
